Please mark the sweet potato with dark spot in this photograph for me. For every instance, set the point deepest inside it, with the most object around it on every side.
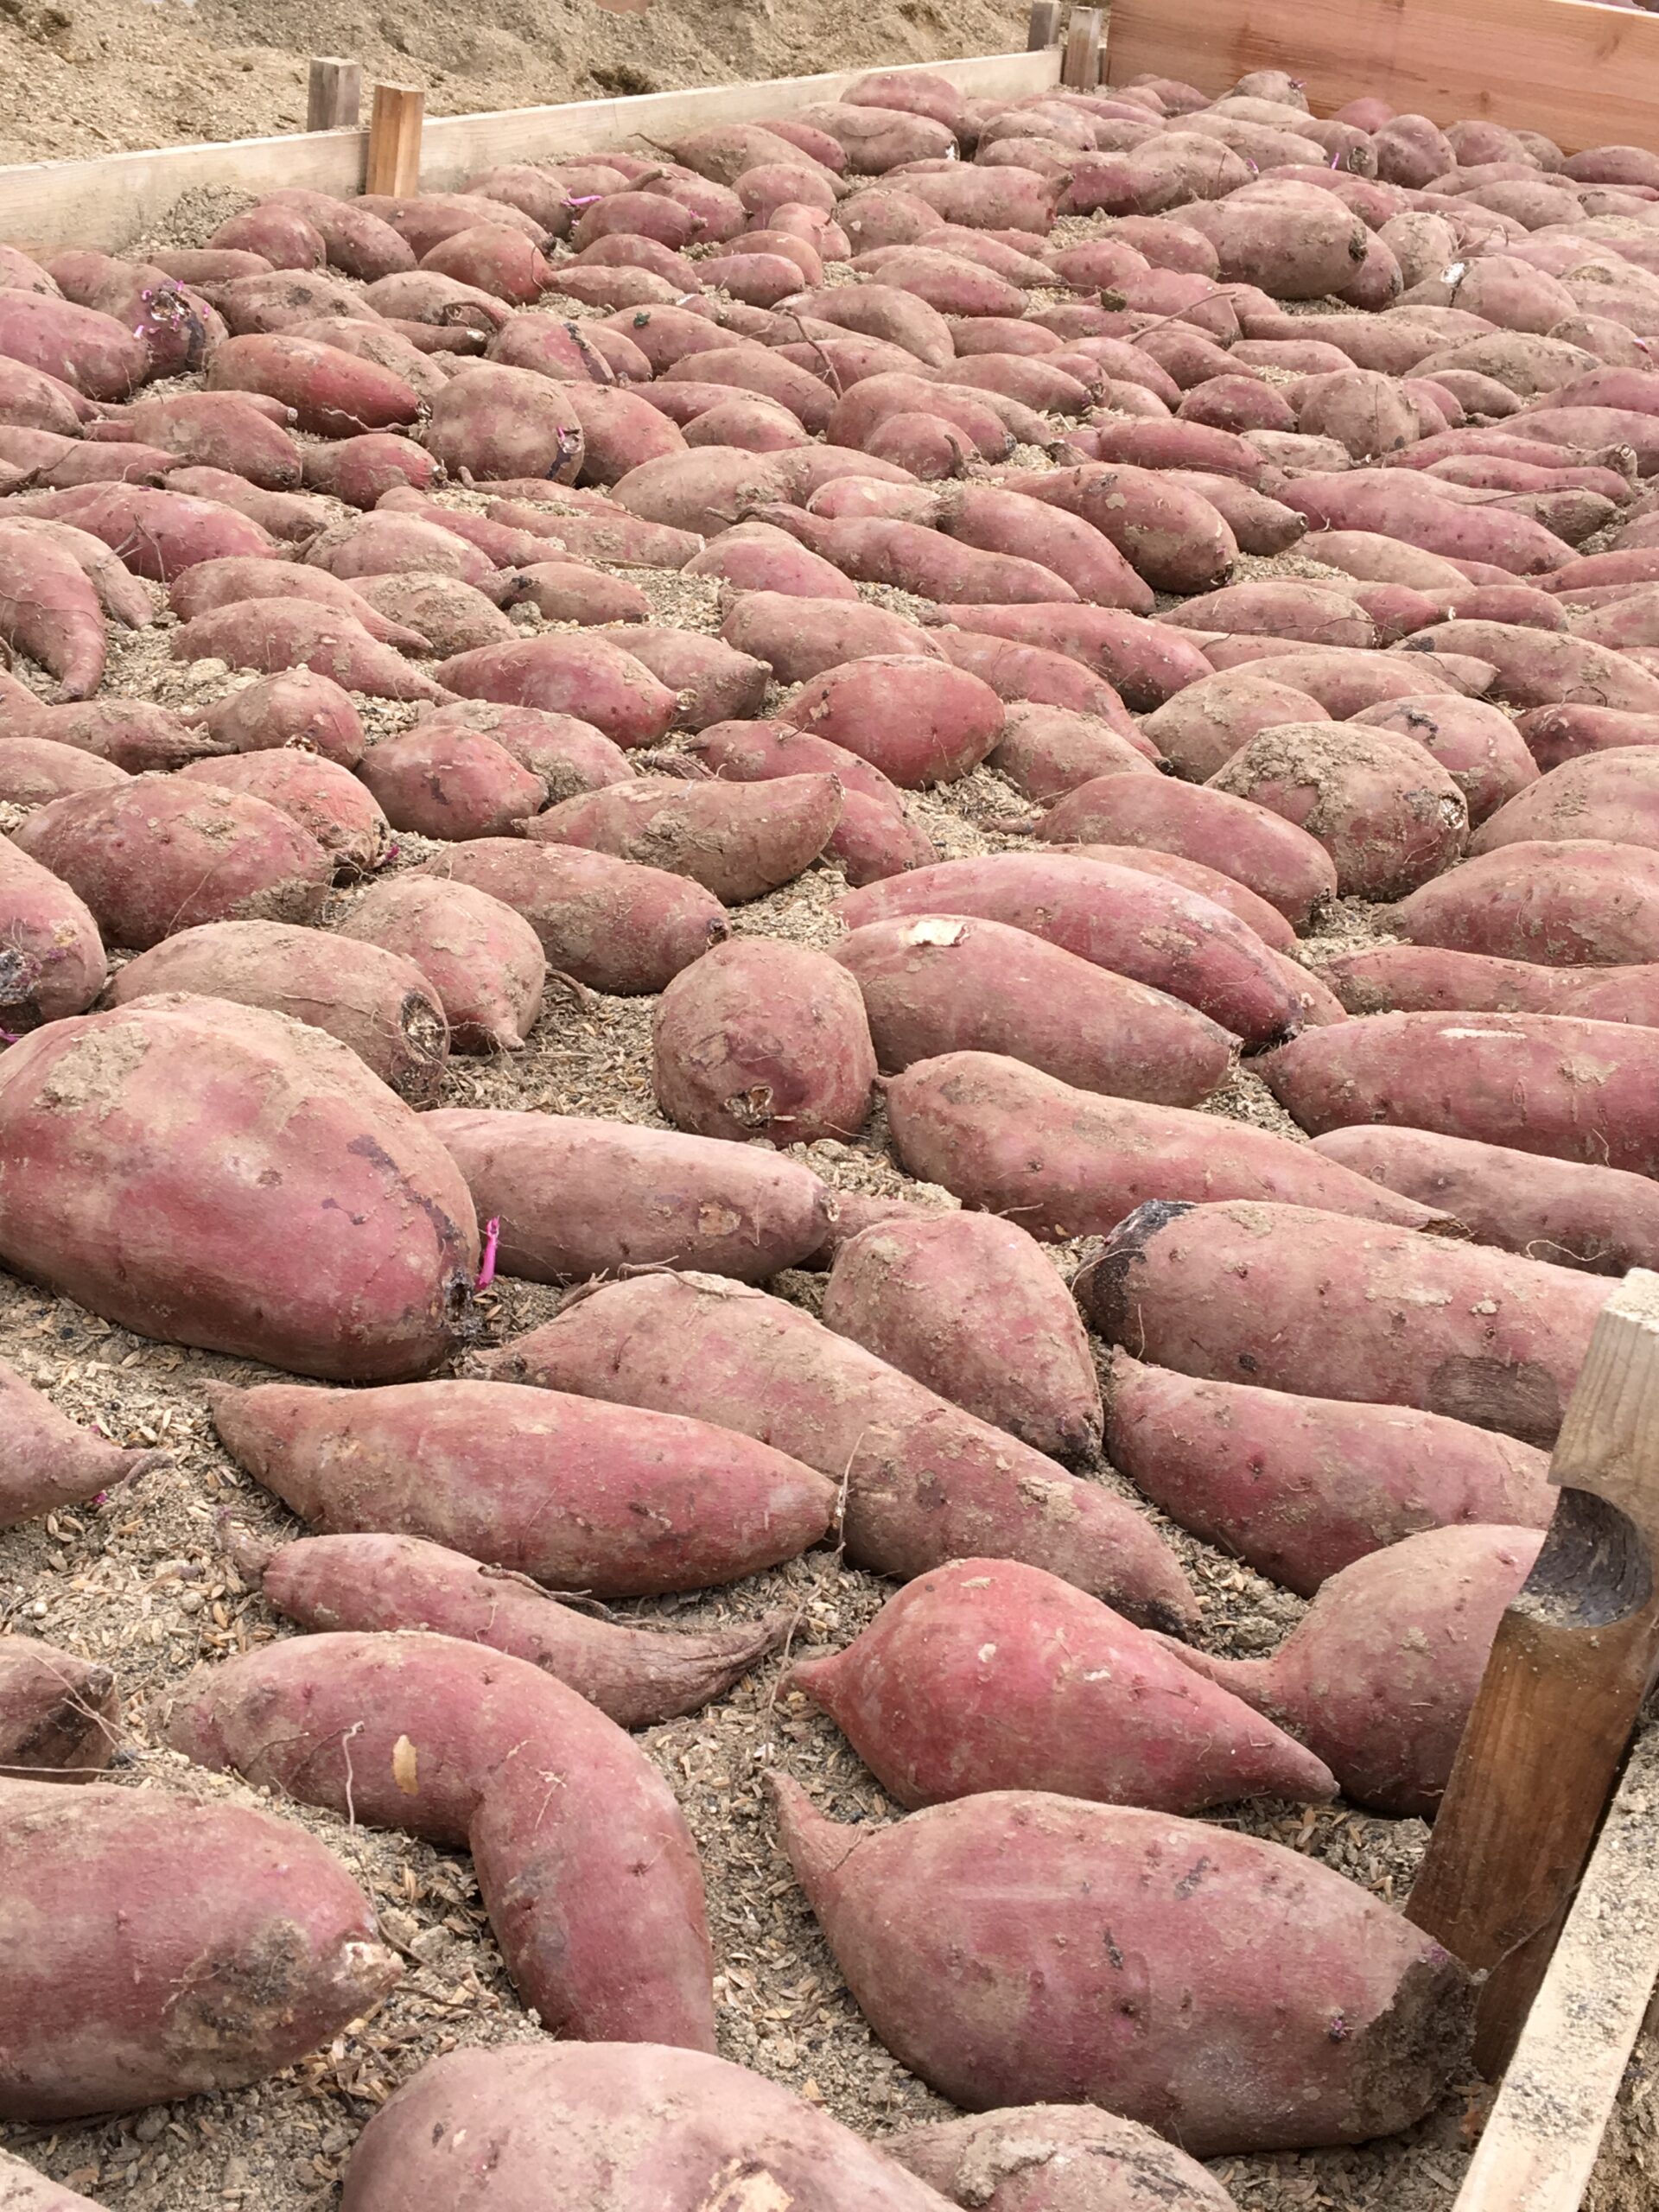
(60, 1718)
(1477, 745)
(483, 961)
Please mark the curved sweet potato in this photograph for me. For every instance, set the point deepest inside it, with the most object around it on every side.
(924, 1481)
(49, 610)
(299, 1214)
(184, 1946)
(760, 1039)
(1411, 978)
(739, 841)
(332, 392)
(273, 635)
(594, 1894)
(59, 1716)
(483, 960)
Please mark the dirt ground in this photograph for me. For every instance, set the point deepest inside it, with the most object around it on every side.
(86, 76)
(141, 1580)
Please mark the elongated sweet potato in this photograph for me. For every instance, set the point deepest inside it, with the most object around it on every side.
(1300, 1300)
(595, 1894)
(559, 1488)
(1412, 978)
(52, 957)
(1611, 797)
(613, 924)
(451, 784)
(377, 1002)
(940, 983)
(1055, 2159)
(1062, 1163)
(58, 1718)
(332, 392)
(588, 678)
(969, 1306)
(183, 1946)
(1301, 1487)
(918, 721)
(482, 959)
(299, 1213)
(1379, 1676)
(799, 639)
(924, 1481)
(628, 2127)
(1045, 752)
(93, 353)
(760, 1038)
(1538, 1082)
(568, 754)
(49, 610)
(1139, 926)
(35, 769)
(989, 1675)
(936, 1921)
(1576, 902)
(578, 1197)
(273, 635)
(1148, 662)
(739, 841)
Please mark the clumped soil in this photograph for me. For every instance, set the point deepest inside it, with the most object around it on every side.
(141, 1580)
(85, 77)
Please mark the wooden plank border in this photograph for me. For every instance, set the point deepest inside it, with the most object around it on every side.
(49, 206)
(1584, 74)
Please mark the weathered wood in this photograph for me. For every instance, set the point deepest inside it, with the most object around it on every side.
(333, 95)
(395, 126)
(1544, 2129)
(1044, 28)
(112, 200)
(1574, 1656)
(1584, 75)
(1080, 71)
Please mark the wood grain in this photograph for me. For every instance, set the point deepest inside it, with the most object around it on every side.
(1584, 75)
(393, 162)
(334, 94)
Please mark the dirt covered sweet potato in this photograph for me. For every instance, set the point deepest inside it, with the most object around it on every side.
(589, 678)
(52, 957)
(924, 1481)
(60, 1717)
(327, 801)
(482, 960)
(276, 710)
(918, 721)
(1055, 2159)
(739, 841)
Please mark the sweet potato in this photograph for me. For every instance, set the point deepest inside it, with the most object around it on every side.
(801, 638)
(39, 401)
(1406, 978)
(1397, 503)
(1603, 797)
(327, 800)
(1030, 675)
(332, 392)
(37, 769)
(58, 1718)
(184, 1946)
(588, 678)
(613, 925)
(230, 582)
(927, 563)
(936, 1921)
(296, 705)
(1294, 873)
(924, 1481)
(1576, 902)
(157, 533)
(1150, 931)
(1021, 1362)
(1062, 1162)
(272, 635)
(1538, 669)
(1386, 812)
(483, 961)
(595, 1895)
(1313, 614)
(1147, 661)
(358, 470)
(51, 1460)
(1045, 752)
(1224, 891)
(623, 2125)
(738, 840)
(1055, 2159)
(943, 984)
(443, 614)
(711, 681)
(1379, 1676)
(1546, 1083)
(1301, 1300)
(1050, 1687)
(579, 1198)
(559, 1488)
(93, 353)
(216, 429)
(918, 721)
(760, 1038)
(451, 784)
(52, 958)
(1170, 535)
(1203, 726)
(1477, 745)
(377, 1002)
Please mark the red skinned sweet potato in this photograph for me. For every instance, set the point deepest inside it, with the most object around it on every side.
(738, 840)
(327, 800)
(578, 1198)
(294, 705)
(802, 638)
(990, 1675)
(92, 353)
(924, 1481)
(216, 429)
(595, 1895)
(228, 582)
(157, 533)
(1577, 902)
(936, 984)
(919, 721)
(1203, 726)
(51, 1460)
(1477, 745)
(185, 1946)
(711, 681)
(760, 1039)
(1031, 675)
(597, 682)
(60, 1718)
(272, 635)
(451, 784)
(152, 856)
(1056, 2158)
(358, 470)
(378, 1003)
(35, 769)
(1148, 662)
(1045, 752)
(1224, 891)
(930, 1918)
(332, 392)
(52, 957)
(568, 755)
(610, 923)
(1412, 978)
(1153, 931)
(1306, 1300)
(560, 1488)
(483, 960)
(1379, 1676)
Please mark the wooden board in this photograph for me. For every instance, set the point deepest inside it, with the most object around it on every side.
(48, 205)
(1547, 2124)
(1583, 75)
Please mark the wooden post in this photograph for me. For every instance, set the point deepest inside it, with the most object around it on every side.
(394, 164)
(1080, 70)
(1541, 2137)
(1044, 29)
(1574, 1656)
(334, 100)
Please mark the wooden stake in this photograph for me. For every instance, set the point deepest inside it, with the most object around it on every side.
(334, 100)
(1574, 1656)
(1541, 2137)
(1044, 29)
(1080, 70)
(394, 164)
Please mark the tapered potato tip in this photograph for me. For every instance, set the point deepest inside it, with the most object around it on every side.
(816, 1846)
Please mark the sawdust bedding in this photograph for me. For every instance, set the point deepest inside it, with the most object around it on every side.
(141, 1579)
